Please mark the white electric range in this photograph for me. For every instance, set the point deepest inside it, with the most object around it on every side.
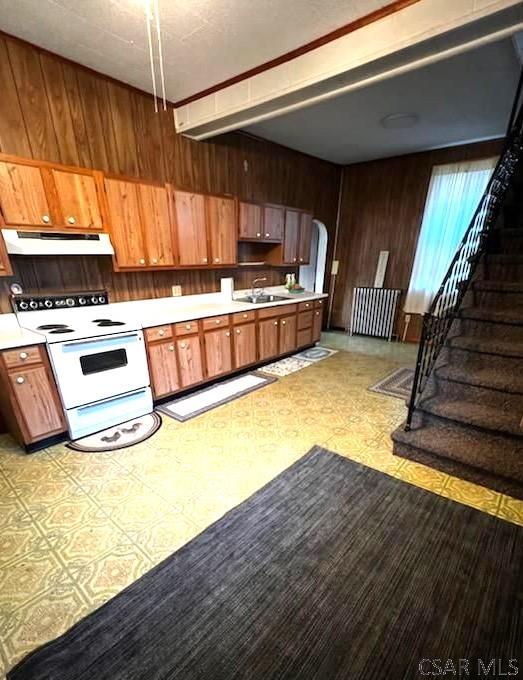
(100, 363)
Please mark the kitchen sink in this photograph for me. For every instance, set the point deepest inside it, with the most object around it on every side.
(261, 299)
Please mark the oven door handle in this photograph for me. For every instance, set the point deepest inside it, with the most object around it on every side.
(108, 400)
(100, 338)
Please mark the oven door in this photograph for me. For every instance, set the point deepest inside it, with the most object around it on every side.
(96, 368)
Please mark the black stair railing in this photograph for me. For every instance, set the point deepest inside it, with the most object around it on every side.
(447, 301)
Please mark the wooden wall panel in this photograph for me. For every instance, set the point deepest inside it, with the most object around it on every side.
(54, 110)
(382, 208)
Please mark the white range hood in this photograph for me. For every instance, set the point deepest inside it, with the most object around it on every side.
(20, 242)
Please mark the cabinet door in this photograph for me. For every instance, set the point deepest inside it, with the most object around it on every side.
(190, 360)
(291, 237)
(287, 334)
(163, 368)
(268, 338)
(304, 246)
(223, 229)
(157, 227)
(189, 212)
(78, 200)
(250, 225)
(22, 196)
(218, 352)
(37, 401)
(273, 223)
(5, 265)
(316, 325)
(245, 345)
(125, 223)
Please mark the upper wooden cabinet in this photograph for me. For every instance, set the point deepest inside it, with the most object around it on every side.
(78, 200)
(304, 244)
(157, 226)
(5, 265)
(273, 223)
(23, 198)
(223, 229)
(250, 222)
(189, 220)
(291, 238)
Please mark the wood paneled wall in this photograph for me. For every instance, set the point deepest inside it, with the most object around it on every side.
(54, 110)
(381, 209)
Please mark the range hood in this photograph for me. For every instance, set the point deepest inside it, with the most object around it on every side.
(19, 242)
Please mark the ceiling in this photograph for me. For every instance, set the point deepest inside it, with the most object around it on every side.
(463, 99)
(204, 41)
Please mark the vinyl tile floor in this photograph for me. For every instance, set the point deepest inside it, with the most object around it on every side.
(76, 528)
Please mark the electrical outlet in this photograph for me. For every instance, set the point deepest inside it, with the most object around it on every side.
(335, 267)
(176, 290)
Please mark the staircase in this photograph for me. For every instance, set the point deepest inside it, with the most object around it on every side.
(466, 410)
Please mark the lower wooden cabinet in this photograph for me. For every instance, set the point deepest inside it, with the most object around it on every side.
(29, 397)
(287, 334)
(317, 323)
(268, 338)
(218, 350)
(244, 338)
(190, 360)
(163, 368)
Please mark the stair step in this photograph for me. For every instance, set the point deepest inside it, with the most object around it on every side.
(492, 460)
(480, 416)
(498, 286)
(511, 317)
(487, 346)
(488, 378)
(506, 266)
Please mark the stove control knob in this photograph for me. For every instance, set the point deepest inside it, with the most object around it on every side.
(94, 300)
(101, 299)
(33, 304)
(48, 304)
(69, 302)
(23, 305)
(82, 301)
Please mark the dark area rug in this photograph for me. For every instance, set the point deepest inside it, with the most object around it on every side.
(332, 571)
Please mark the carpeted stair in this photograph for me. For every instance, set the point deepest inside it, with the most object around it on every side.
(469, 420)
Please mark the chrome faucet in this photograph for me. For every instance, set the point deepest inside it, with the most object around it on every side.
(256, 292)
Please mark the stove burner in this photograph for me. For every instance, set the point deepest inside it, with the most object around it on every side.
(51, 326)
(63, 330)
(102, 323)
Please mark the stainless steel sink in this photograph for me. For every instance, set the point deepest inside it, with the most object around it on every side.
(261, 299)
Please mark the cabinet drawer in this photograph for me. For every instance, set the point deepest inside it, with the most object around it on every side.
(320, 303)
(304, 320)
(282, 310)
(215, 322)
(304, 337)
(243, 317)
(305, 306)
(20, 357)
(158, 333)
(186, 327)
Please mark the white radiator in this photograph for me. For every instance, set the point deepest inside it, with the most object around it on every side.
(374, 311)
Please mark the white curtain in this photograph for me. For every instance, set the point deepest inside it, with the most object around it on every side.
(454, 194)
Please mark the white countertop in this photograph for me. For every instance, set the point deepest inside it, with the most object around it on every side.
(11, 335)
(152, 312)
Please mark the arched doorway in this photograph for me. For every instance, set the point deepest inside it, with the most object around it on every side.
(312, 276)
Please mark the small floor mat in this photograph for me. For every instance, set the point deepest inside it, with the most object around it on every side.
(121, 436)
(185, 408)
(397, 384)
(298, 361)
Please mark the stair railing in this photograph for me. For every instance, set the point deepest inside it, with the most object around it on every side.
(447, 301)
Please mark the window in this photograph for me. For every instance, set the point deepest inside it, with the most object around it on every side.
(454, 194)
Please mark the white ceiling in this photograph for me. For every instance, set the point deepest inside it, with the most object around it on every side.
(463, 99)
(204, 41)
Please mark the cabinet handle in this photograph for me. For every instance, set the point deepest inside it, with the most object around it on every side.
(204, 260)
(301, 259)
(71, 220)
(275, 323)
(227, 333)
(183, 345)
(188, 327)
(161, 332)
(216, 259)
(142, 261)
(238, 331)
(20, 380)
(23, 355)
(317, 313)
(283, 323)
(245, 316)
(267, 235)
(171, 348)
(258, 234)
(46, 219)
(307, 304)
(218, 321)
(155, 260)
(294, 260)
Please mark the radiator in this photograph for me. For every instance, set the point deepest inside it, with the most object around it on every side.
(374, 311)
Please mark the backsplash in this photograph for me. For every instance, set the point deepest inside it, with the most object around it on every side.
(42, 275)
